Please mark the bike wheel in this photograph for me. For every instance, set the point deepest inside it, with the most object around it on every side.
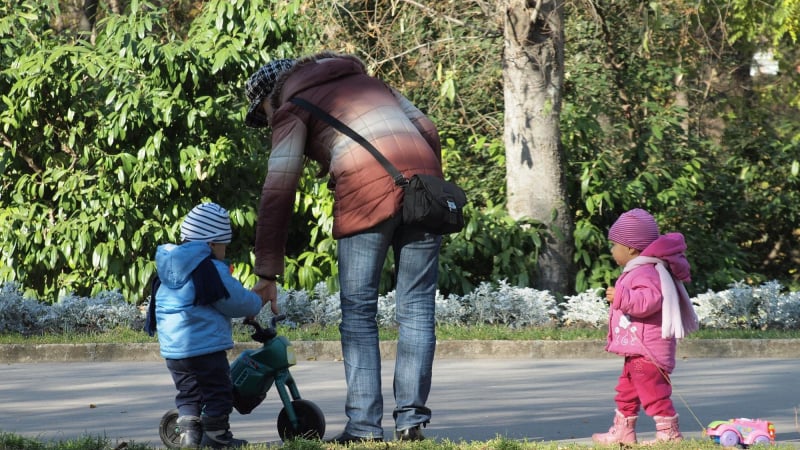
(168, 429)
(310, 422)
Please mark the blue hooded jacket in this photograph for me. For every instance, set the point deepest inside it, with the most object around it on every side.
(185, 328)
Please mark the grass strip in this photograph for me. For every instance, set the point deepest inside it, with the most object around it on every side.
(444, 332)
(10, 441)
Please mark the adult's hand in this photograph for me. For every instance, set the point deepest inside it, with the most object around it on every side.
(268, 291)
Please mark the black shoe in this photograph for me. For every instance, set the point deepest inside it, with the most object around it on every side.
(345, 438)
(409, 434)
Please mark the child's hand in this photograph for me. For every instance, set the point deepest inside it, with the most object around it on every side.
(610, 294)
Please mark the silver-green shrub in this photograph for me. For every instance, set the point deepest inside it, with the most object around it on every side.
(106, 311)
(761, 307)
(504, 304)
(452, 310)
(300, 307)
(18, 314)
(488, 304)
(588, 308)
(784, 310)
(744, 306)
(386, 310)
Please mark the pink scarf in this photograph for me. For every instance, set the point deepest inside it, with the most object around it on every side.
(678, 318)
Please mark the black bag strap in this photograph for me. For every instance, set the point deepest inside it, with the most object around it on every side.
(398, 177)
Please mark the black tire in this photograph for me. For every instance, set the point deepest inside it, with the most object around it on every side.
(168, 429)
(310, 420)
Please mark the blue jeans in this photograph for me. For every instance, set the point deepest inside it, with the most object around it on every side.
(361, 258)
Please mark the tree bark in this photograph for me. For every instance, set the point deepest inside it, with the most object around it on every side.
(533, 72)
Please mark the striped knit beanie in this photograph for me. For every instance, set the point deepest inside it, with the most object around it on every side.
(635, 228)
(207, 222)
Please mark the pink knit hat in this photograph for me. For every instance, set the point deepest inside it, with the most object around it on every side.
(635, 228)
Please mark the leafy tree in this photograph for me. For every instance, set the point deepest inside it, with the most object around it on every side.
(659, 126)
(108, 145)
(442, 63)
(109, 137)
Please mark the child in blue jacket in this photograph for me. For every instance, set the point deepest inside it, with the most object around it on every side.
(194, 299)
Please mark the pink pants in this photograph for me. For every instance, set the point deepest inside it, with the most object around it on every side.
(643, 384)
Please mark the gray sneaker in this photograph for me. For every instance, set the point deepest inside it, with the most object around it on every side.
(216, 433)
(409, 434)
(345, 438)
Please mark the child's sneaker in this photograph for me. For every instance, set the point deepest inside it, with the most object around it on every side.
(191, 431)
(216, 433)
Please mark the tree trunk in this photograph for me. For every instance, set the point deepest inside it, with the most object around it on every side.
(116, 6)
(533, 71)
(89, 20)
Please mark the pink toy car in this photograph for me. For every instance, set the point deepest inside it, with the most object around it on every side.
(744, 432)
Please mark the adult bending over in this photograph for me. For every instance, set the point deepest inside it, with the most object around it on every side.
(367, 221)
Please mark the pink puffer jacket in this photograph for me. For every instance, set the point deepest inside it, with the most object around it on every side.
(635, 315)
(635, 319)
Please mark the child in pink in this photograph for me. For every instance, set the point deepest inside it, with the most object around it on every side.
(650, 310)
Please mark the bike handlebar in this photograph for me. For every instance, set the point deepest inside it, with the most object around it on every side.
(260, 334)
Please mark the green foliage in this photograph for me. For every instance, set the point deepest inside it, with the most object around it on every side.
(12, 441)
(108, 145)
(478, 166)
(752, 22)
(633, 141)
(492, 246)
(17, 442)
(9, 440)
(101, 165)
(312, 255)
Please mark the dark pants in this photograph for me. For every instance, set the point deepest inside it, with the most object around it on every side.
(204, 385)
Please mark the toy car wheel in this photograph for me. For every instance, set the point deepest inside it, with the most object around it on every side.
(762, 440)
(168, 429)
(310, 422)
(729, 439)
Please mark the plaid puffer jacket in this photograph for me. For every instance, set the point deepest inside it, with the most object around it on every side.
(364, 193)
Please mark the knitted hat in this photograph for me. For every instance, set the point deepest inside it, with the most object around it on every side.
(635, 228)
(207, 222)
(259, 86)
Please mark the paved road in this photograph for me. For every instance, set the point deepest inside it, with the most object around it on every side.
(472, 400)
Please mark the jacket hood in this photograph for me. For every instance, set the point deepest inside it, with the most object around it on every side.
(175, 263)
(348, 64)
(671, 248)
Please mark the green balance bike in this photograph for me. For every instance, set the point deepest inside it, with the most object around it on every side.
(253, 373)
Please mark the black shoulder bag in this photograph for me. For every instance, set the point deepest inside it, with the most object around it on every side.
(431, 202)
